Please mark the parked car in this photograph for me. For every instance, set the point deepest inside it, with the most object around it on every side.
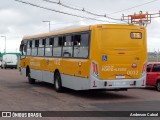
(9, 61)
(153, 75)
(0, 63)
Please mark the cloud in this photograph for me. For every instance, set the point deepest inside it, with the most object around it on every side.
(153, 35)
(18, 19)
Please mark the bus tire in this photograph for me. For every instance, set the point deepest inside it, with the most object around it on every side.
(158, 86)
(58, 82)
(30, 80)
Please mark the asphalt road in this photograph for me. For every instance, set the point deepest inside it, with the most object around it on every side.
(17, 95)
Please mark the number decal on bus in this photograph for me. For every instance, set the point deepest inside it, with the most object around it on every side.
(132, 72)
(57, 62)
(111, 68)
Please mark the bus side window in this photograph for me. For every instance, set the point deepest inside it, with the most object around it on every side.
(35, 45)
(77, 39)
(44, 42)
(48, 47)
(67, 46)
(23, 47)
(57, 48)
(41, 47)
(29, 47)
(81, 45)
(51, 41)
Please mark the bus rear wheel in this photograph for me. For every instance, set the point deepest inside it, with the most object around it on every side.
(30, 80)
(58, 82)
(158, 86)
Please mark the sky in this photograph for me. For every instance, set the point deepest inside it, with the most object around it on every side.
(19, 19)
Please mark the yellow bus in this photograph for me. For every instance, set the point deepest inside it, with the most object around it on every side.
(103, 56)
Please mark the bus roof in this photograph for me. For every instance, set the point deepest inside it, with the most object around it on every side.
(86, 28)
(73, 30)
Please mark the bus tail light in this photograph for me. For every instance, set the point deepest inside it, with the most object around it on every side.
(144, 68)
(95, 68)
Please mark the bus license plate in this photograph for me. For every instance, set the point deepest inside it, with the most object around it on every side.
(119, 83)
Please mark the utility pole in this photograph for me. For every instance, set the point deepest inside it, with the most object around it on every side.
(5, 43)
(49, 23)
(141, 18)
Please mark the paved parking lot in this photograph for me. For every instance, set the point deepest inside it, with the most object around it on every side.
(17, 95)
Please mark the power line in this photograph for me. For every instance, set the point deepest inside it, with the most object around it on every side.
(62, 11)
(132, 7)
(81, 10)
(70, 7)
(60, 3)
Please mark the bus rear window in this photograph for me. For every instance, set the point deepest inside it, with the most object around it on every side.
(121, 38)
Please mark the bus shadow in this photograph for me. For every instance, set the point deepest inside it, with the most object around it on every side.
(42, 84)
(150, 88)
(99, 94)
(88, 94)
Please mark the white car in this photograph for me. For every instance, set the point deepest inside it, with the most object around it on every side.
(9, 61)
(0, 63)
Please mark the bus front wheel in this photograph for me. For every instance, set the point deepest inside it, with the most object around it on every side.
(58, 82)
(30, 80)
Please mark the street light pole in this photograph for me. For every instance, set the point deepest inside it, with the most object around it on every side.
(5, 43)
(49, 23)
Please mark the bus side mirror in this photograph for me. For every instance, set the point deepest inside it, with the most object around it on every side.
(21, 48)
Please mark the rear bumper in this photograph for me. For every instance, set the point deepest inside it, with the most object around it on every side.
(11, 66)
(95, 83)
